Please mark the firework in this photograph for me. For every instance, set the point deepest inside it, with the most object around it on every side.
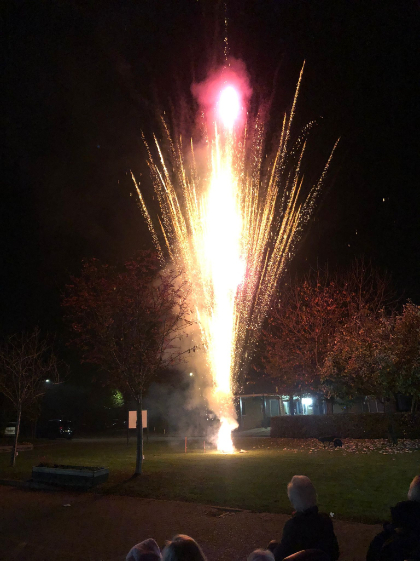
(232, 223)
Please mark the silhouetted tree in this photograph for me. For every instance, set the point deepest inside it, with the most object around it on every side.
(304, 326)
(129, 321)
(360, 360)
(26, 361)
(406, 351)
(299, 331)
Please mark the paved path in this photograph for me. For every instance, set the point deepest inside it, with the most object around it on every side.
(37, 526)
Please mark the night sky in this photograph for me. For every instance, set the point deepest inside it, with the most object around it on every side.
(81, 80)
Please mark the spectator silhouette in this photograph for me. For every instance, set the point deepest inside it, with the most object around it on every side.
(183, 548)
(147, 550)
(261, 555)
(400, 538)
(308, 528)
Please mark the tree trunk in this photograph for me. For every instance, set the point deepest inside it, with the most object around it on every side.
(34, 424)
(128, 423)
(392, 433)
(330, 406)
(139, 450)
(413, 404)
(291, 408)
(14, 447)
(316, 405)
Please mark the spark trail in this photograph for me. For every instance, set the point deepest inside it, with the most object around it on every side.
(232, 224)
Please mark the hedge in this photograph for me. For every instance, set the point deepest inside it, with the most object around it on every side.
(346, 425)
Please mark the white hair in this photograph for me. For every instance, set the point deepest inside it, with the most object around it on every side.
(261, 555)
(414, 490)
(301, 493)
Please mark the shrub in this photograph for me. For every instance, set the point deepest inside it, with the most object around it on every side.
(346, 425)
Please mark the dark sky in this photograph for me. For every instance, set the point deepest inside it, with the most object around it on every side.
(80, 80)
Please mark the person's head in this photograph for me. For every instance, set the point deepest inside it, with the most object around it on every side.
(301, 493)
(183, 548)
(414, 490)
(148, 550)
(261, 555)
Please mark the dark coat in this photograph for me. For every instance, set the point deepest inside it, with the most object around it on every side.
(400, 539)
(308, 530)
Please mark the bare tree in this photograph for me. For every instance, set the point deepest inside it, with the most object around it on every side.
(26, 361)
(368, 288)
(130, 321)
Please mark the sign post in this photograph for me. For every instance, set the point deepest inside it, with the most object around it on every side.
(132, 419)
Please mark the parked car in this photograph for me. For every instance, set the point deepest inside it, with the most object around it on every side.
(10, 429)
(57, 428)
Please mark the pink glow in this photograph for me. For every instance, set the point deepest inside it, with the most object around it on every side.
(224, 95)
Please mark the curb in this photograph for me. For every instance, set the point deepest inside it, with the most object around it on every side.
(29, 484)
(20, 448)
(14, 483)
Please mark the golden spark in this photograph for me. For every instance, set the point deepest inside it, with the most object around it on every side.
(232, 223)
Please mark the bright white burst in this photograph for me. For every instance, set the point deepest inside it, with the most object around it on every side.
(229, 106)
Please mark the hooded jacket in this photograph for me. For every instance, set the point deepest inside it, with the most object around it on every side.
(147, 550)
(400, 539)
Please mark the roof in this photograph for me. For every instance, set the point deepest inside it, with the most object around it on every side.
(259, 395)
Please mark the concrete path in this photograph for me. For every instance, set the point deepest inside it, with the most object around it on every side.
(61, 526)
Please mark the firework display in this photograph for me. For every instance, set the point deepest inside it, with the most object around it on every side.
(230, 217)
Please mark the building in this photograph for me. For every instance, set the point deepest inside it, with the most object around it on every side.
(256, 410)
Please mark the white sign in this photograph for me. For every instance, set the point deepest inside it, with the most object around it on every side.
(132, 419)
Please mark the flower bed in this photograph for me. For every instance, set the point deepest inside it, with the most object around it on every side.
(73, 476)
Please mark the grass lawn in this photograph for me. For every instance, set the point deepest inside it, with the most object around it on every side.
(358, 484)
